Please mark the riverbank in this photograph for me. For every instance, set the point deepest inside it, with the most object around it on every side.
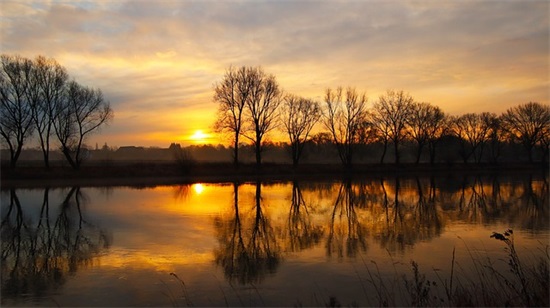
(165, 173)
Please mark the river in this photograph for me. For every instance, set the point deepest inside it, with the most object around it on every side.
(323, 243)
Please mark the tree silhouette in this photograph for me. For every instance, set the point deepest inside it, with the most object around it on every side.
(34, 96)
(529, 123)
(261, 109)
(16, 124)
(473, 131)
(426, 126)
(83, 112)
(298, 116)
(45, 92)
(231, 94)
(392, 112)
(343, 117)
(381, 131)
(496, 138)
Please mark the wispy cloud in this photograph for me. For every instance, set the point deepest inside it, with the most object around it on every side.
(158, 60)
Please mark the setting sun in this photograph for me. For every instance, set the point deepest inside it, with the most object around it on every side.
(199, 137)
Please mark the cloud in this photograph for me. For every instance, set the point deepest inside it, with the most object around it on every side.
(161, 58)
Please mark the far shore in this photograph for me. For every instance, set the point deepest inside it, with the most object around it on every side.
(170, 173)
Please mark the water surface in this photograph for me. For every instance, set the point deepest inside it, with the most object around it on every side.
(251, 244)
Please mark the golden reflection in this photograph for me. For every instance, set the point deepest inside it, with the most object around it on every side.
(161, 261)
(198, 188)
(249, 229)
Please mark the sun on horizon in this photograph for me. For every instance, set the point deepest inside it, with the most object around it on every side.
(199, 137)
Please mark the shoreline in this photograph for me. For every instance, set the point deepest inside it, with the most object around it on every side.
(170, 173)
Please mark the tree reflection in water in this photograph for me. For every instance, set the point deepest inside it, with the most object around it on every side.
(396, 213)
(44, 244)
(347, 235)
(38, 256)
(522, 202)
(376, 209)
(248, 248)
(302, 233)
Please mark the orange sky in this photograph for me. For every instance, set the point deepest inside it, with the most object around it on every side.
(157, 61)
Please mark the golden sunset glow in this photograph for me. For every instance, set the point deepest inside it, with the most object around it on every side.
(199, 137)
(157, 63)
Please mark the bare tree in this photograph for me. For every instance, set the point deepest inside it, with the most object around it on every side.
(545, 144)
(298, 116)
(231, 94)
(15, 109)
(426, 123)
(82, 112)
(380, 130)
(45, 93)
(473, 131)
(529, 124)
(261, 108)
(393, 110)
(343, 118)
(496, 138)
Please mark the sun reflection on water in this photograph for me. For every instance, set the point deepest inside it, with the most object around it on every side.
(198, 188)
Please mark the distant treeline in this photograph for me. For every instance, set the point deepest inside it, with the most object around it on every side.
(251, 104)
(318, 150)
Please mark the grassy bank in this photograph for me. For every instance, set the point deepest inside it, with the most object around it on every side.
(166, 172)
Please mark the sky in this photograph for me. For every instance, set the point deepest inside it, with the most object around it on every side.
(158, 61)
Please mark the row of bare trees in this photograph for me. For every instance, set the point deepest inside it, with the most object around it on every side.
(38, 99)
(251, 104)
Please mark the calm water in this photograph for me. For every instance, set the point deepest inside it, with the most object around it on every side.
(251, 244)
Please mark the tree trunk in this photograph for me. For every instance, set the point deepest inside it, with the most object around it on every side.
(530, 153)
(384, 152)
(15, 155)
(463, 153)
(45, 146)
(236, 151)
(69, 158)
(13, 160)
(396, 147)
(294, 148)
(46, 150)
(258, 147)
(431, 148)
(46, 156)
(418, 153)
